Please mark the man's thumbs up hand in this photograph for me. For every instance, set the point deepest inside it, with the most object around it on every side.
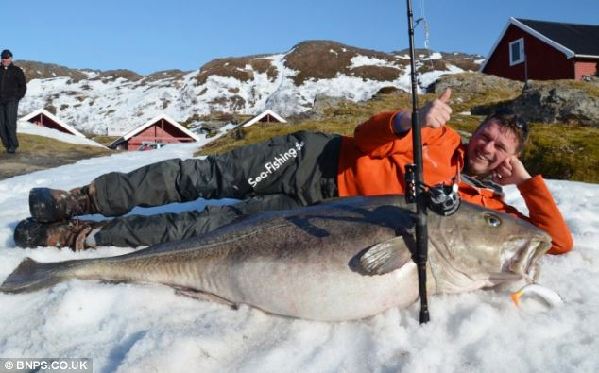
(437, 112)
(434, 114)
(445, 96)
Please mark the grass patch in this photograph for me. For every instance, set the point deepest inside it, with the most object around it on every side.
(34, 144)
(563, 152)
(104, 140)
(38, 153)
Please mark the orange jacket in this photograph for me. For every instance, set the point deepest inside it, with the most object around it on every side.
(372, 163)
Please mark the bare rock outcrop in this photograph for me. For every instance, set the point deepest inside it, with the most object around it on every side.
(473, 88)
(559, 101)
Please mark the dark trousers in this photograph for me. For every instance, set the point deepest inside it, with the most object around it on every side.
(285, 172)
(8, 124)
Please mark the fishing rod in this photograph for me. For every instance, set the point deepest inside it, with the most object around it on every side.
(414, 182)
(441, 199)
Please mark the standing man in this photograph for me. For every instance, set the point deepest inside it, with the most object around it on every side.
(12, 88)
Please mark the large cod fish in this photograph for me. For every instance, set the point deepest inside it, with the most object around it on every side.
(344, 259)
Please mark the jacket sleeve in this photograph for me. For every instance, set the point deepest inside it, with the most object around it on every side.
(544, 214)
(21, 83)
(377, 138)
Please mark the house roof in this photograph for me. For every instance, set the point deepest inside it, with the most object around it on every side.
(570, 39)
(51, 116)
(583, 40)
(262, 115)
(152, 121)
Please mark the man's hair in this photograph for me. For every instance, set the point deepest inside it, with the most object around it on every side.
(508, 119)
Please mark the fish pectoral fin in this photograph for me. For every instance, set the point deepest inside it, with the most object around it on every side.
(192, 293)
(382, 258)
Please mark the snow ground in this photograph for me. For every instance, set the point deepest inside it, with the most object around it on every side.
(145, 327)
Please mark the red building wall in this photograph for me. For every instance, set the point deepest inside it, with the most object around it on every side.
(585, 67)
(43, 121)
(161, 132)
(543, 61)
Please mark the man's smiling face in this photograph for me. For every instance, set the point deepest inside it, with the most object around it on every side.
(490, 145)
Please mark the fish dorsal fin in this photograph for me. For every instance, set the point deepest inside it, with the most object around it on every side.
(382, 258)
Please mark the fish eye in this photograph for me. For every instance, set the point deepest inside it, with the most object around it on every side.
(493, 220)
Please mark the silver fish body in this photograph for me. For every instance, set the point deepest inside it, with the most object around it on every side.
(341, 260)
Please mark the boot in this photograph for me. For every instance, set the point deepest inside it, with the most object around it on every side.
(50, 205)
(70, 233)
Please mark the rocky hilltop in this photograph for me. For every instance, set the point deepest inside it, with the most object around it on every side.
(550, 101)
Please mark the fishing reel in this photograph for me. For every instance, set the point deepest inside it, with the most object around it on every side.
(440, 198)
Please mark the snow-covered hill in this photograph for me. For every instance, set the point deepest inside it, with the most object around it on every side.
(114, 102)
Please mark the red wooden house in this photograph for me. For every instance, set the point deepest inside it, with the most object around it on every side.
(540, 50)
(156, 132)
(44, 118)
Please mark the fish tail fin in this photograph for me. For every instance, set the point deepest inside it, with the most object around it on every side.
(31, 276)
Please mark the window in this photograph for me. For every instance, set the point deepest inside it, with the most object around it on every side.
(146, 145)
(516, 52)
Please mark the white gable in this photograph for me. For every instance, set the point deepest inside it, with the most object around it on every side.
(49, 115)
(152, 121)
(262, 115)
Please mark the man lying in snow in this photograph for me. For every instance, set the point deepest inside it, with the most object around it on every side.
(296, 170)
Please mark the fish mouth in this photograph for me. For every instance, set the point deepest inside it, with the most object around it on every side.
(524, 265)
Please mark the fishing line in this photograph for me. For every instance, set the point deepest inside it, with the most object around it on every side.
(426, 31)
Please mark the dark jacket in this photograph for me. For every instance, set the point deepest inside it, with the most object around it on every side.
(12, 83)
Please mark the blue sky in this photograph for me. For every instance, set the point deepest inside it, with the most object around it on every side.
(148, 36)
